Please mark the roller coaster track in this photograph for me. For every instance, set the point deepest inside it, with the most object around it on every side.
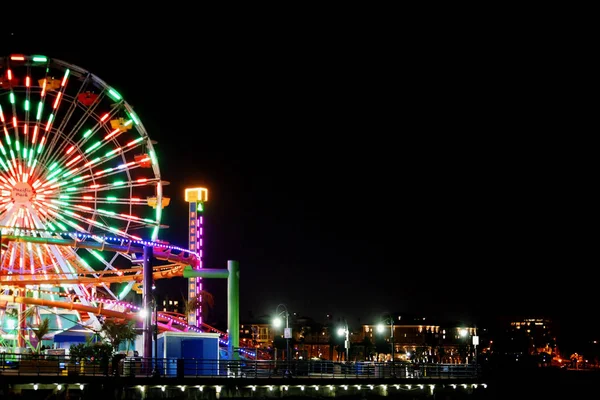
(177, 262)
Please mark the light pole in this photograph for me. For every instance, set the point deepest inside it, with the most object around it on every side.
(389, 319)
(345, 331)
(287, 333)
(155, 372)
(380, 328)
(463, 333)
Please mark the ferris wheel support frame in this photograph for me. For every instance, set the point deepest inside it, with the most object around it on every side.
(232, 274)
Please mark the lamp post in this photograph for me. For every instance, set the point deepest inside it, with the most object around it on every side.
(287, 332)
(155, 372)
(345, 331)
(464, 333)
(380, 328)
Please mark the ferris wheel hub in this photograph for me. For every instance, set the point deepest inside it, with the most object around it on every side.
(22, 193)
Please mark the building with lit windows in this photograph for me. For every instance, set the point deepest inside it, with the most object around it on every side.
(420, 341)
(535, 335)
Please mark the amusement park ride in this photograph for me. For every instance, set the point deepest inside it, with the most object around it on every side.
(81, 201)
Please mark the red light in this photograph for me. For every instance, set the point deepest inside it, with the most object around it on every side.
(17, 57)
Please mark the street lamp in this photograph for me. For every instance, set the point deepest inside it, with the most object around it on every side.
(155, 372)
(474, 341)
(287, 332)
(381, 327)
(344, 331)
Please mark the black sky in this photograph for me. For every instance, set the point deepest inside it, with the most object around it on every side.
(358, 172)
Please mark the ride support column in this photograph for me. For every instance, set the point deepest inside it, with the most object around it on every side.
(233, 308)
(147, 302)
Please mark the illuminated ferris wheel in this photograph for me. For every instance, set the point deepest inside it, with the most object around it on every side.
(74, 159)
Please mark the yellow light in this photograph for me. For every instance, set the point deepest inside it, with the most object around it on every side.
(193, 195)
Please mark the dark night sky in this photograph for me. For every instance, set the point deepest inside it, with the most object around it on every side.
(355, 174)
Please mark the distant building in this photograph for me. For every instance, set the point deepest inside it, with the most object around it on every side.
(170, 305)
(535, 335)
(420, 340)
(309, 339)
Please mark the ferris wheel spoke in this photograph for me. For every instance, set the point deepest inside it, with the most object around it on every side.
(77, 175)
(69, 131)
(64, 214)
(81, 130)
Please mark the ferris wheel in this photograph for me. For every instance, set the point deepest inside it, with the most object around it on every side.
(74, 159)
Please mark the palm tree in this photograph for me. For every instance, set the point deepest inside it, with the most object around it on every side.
(194, 304)
(117, 332)
(40, 331)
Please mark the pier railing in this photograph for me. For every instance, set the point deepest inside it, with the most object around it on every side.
(58, 365)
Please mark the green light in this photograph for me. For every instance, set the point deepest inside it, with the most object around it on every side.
(114, 94)
(97, 255)
(200, 207)
(153, 157)
(11, 96)
(134, 118)
(100, 210)
(64, 196)
(78, 179)
(39, 111)
(40, 59)
(24, 153)
(111, 198)
(17, 146)
(118, 183)
(87, 133)
(61, 226)
(53, 174)
(54, 165)
(93, 147)
(26, 105)
(71, 189)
